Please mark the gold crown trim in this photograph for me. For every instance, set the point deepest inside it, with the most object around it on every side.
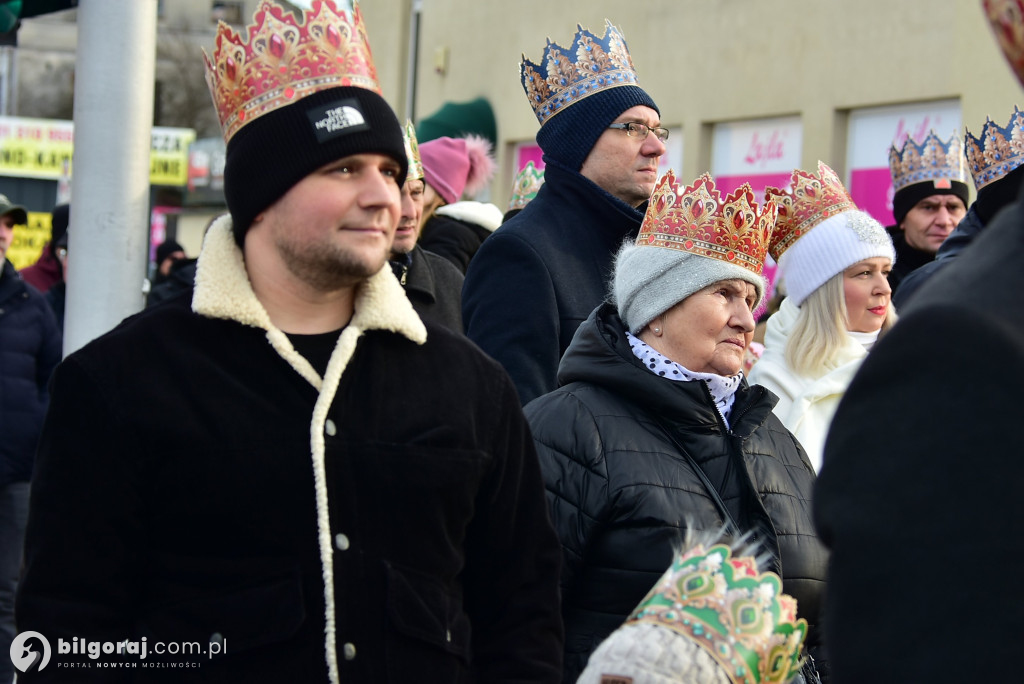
(737, 614)
(567, 75)
(999, 151)
(931, 160)
(809, 200)
(697, 220)
(412, 152)
(283, 60)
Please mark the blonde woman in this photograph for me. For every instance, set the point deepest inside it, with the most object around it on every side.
(834, 262)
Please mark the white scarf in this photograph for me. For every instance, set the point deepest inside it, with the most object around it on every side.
(723, 388)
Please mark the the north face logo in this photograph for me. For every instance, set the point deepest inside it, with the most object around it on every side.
(339, 118)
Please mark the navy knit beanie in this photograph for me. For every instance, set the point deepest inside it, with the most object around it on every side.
(569, 135)
(269, 155)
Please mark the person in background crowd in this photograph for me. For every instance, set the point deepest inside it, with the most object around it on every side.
(931, 193)
(834, 260)
(713, 618)
(538, 277)
(432, 283)
(57, 295)
(923, 458)
(995, 165)
(525, 187)
(454, 168)
(30, 348)
(47, 271)
(286, 468)
(654, 429)
(168, 253)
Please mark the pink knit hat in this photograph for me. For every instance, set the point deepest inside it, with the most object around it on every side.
(453, 166)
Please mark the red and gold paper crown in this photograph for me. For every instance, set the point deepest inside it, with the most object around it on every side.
(697, 220)
(1007, 20)
(412, 151)
(738, 614)
(284, 60)
(999, 151)
(566, 76)
(932, 160)
(807, 201)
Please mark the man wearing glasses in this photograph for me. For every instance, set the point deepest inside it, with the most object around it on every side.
(542, 273)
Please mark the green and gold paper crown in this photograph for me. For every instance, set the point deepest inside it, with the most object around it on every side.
(412, 151)
(737, 614)
(525, 186)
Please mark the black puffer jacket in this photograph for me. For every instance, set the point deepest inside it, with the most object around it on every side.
(622, 495)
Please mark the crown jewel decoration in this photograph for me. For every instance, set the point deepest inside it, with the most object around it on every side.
(697, 220)
(525, 186)
(740, 616)
(809, 200)
(284, 60)
(999, 151)
(567, 76)
(412, 151)
(932, 160)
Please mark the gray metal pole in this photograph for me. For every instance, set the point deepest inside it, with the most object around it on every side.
(109, 226)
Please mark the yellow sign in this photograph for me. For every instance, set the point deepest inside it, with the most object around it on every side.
(42, 148)
(28, 241)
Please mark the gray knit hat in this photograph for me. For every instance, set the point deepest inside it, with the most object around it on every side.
(690, 239)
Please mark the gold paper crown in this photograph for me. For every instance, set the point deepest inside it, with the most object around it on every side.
(932, 160)
(808, 201)
(412, 151)
(284, 60)
(525, 186)
(740, 616)
(999, 151)
(567, 76)
(698, 221)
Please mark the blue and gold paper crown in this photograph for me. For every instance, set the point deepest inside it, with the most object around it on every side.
(737, 614)
(931, 160)
(412, 151)
(566, 76)
(999, 151)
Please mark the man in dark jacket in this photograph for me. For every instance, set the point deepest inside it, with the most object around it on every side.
(432, 283)
(919, 494)
(288, 469)
(541, 274)
(30, 347)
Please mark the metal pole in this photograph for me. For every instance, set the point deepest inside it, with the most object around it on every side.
(109, 226)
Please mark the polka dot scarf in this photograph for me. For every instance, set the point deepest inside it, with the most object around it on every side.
(722, 388)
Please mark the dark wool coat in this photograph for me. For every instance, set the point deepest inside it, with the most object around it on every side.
(541, 274)
(199, 482)
(30, 348)
(920, 497)
(622, 495)
(434, 286)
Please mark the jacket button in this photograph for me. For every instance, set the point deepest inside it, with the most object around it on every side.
(341, 542)
(349, 650)
(330, 428)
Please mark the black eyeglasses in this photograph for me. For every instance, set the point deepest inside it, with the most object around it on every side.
(635, 128)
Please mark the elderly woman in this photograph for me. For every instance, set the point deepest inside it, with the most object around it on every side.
(834, 261)
(654, 430)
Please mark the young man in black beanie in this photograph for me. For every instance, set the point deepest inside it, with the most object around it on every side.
(930, 199)
(538, 277)
(271, 468)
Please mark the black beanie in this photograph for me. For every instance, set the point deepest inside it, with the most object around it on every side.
(59, 225)
(997, 194)
(269, 155)
(905, 198)
(569, 135)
